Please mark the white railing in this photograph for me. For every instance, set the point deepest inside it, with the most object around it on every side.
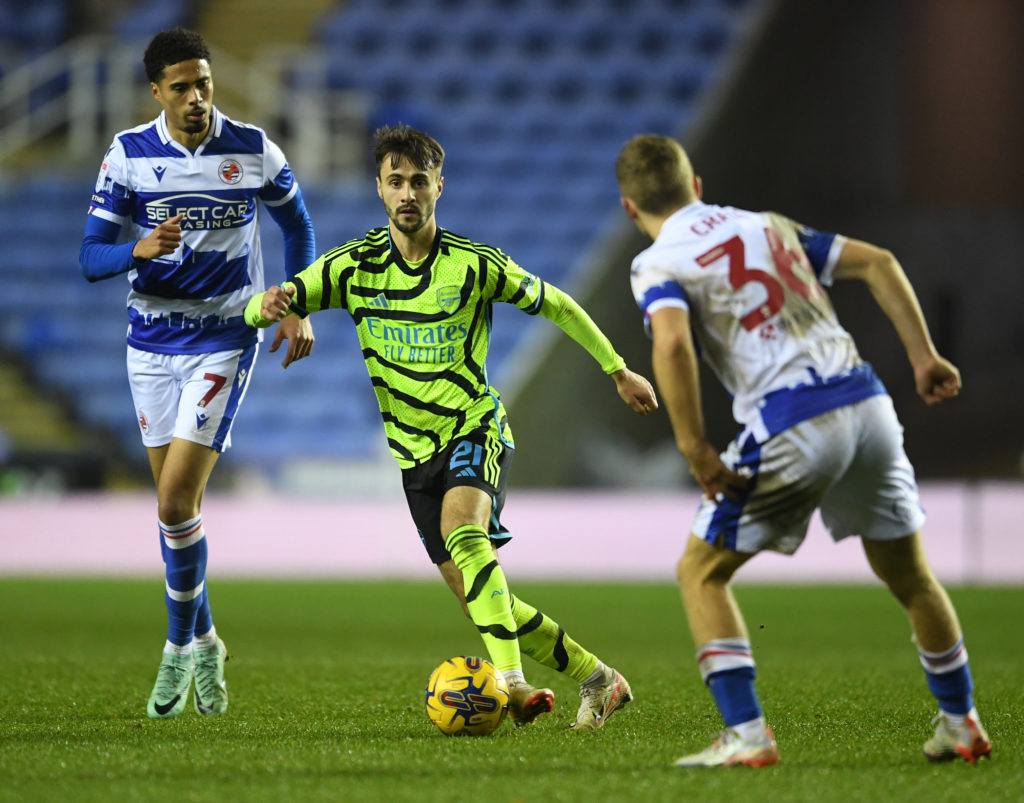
(74, 98)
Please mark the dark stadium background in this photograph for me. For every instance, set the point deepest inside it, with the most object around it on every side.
(896, 122)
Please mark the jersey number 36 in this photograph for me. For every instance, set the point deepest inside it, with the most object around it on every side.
(740, 275)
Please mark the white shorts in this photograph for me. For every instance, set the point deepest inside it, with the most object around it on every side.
(193, 397)
(849, 462)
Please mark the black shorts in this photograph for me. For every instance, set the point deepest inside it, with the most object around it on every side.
(477, 460)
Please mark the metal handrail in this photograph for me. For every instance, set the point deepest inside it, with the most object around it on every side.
(98, 88)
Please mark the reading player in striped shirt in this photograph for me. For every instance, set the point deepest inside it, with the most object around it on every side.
(818, 428)
(421, 299)
(184, 188)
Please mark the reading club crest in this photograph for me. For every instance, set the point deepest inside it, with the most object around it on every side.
(230, 171)
(448, 297)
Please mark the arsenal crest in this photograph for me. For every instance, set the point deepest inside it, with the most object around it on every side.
(449, 297)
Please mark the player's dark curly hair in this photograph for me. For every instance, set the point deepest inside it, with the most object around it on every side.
(170, 47)
(400, 140)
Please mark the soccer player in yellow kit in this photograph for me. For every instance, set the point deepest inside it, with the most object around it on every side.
(421, 298)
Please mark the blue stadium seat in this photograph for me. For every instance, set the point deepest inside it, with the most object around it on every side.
(146, 18)
(33, 28)
(531, 98)
(355, 34)
(111, 407)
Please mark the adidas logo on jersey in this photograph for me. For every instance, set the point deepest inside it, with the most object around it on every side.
(466, 472)
(379, 302)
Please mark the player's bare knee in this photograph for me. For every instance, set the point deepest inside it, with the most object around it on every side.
(697, 571)
(908, 586)
(175, 507)
(684, 571)
(901, 565)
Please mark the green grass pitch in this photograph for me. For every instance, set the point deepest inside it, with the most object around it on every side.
(327, 680)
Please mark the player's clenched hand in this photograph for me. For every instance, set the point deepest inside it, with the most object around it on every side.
(635, 391)
(276, 302)
(937, 380)
(163, 240)
(714, 477)
(299, 333)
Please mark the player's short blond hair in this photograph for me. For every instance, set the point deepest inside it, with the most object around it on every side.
(655, 173)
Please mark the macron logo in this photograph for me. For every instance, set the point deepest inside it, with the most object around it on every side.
(159, 173)
(379, 302)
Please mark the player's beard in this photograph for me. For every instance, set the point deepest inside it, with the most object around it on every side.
(411, 228)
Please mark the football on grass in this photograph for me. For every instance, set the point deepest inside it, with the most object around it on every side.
(466, 696)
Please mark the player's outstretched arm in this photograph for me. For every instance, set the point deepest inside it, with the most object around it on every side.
(676, 372)
(560, 308)
(936, 378)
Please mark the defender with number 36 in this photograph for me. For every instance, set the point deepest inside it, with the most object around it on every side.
(818, 429)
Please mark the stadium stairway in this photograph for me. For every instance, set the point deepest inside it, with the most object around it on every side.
(30, 421)
(43, 441)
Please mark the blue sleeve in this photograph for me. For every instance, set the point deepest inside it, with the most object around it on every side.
(100, 256)
(817, 245)
(297, 228)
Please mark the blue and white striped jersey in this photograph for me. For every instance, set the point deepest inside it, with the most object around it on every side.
(191, 301)
(750, 282)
